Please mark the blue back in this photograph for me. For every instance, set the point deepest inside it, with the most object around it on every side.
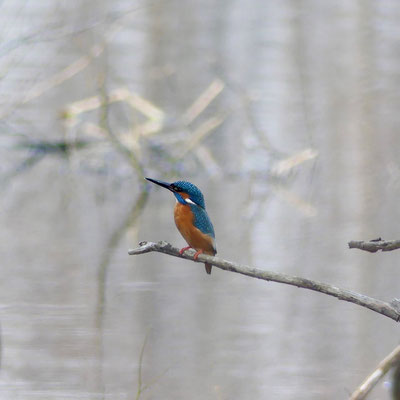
(201, 218)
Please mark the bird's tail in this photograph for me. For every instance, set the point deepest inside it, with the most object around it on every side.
(208, 268)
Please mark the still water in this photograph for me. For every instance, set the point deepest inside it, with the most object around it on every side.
(314, 84)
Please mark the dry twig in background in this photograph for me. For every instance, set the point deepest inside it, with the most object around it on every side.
(384, 366)
(375, 245)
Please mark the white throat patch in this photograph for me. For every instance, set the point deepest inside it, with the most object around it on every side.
(190, 201)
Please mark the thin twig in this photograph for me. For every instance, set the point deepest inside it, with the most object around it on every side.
(375, 245)
(383, 367)
(105, 123)
(140, 388)
(379, 306)
(135, 101)
(205, 129)
(286, 165)
(76, 66)
(203, 101)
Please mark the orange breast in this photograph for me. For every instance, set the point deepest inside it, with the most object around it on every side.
(184, 220)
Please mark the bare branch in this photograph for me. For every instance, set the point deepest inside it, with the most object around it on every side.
(202, 102)
(384, 366)
(391, 310)
(375, 245)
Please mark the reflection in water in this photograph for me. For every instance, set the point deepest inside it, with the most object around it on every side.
(105, 263)
(283, 113)
(127, 222)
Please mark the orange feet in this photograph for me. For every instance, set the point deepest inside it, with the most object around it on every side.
(181, 251)
(195, 257)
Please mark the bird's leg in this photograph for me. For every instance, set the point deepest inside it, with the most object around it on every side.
(181, 251)
(197, 254)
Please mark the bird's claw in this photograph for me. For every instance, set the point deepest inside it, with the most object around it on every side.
(181, 251)
(195, 257)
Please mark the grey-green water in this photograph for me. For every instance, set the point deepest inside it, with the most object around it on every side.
(75, 309)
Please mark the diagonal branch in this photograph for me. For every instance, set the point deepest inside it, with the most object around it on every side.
(375, 245)
(384, 366)
(391, 310)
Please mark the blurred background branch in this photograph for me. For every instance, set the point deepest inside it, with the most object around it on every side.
(375, 245)
(272, 109)
(381, 370)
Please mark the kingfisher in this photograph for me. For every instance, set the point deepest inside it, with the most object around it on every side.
(191, 218)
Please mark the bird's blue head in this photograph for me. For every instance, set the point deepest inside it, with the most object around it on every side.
(185, 192)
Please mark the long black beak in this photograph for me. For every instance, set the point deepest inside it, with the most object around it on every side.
(165, 185)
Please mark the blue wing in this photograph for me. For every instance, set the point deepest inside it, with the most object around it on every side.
(202, 221)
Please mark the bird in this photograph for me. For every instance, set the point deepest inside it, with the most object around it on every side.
(191, 218)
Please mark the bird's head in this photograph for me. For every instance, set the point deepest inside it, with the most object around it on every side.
(185, 192)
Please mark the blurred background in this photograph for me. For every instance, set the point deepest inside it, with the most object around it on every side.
(285, 114)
